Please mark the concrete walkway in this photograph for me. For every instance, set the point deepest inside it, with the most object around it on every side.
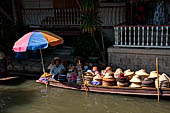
(33, 67)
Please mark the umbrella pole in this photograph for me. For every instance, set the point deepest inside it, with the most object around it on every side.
(42, 62)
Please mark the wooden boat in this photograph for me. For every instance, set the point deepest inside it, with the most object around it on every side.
(114, 89)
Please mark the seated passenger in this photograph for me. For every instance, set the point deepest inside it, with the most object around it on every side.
(57, 68)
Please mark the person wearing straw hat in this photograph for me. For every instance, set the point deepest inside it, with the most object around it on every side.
(57, 68)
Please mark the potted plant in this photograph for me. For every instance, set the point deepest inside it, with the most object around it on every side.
(90, 24)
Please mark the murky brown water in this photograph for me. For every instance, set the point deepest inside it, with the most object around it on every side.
(31, 97)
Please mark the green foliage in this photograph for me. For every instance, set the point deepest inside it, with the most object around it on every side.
(90, 20)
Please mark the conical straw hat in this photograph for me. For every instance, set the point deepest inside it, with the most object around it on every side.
(163, 78)
(153, 74)
(128, 72)
(141, 72)
(135, 79)
(135, 85)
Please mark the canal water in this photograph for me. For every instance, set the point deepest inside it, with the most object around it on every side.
(30, 97)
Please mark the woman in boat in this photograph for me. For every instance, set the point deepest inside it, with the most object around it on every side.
(57, 68)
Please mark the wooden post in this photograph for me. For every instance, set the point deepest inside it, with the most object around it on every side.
(83, 79)
(157, 79)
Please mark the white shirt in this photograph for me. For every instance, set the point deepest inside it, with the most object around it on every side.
(56, 70)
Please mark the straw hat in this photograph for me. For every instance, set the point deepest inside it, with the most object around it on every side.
(141, 72)
(128, 72)
(122, 78)
(2, 55)
(117, 72)
(53, 62)
(153, 74)
(134, 85)
(108, 68)
(108, 76)
(97, 77)
(163, 81)
(135, 79)
(89, 72)
(163, 78)
(147, 81)
(120, 84)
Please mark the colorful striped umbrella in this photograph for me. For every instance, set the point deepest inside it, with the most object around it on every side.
(37, 39)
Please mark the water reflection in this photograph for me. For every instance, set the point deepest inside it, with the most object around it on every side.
(31, 97)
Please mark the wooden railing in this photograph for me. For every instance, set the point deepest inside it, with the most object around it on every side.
(142, 36)
(69, 16)
(51, 16)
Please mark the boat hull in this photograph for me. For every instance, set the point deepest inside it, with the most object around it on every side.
(115, 89)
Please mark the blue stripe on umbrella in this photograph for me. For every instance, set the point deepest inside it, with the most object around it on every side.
(37, 41)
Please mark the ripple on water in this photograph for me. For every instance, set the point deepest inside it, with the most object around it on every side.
(31, 97)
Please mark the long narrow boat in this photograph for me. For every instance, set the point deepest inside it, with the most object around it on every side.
(114, 89)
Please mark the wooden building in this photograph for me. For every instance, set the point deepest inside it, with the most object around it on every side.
(129, 24)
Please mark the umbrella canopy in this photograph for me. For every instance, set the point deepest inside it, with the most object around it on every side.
(37, 39)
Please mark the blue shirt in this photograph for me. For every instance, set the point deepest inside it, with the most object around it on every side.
(56, 70)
